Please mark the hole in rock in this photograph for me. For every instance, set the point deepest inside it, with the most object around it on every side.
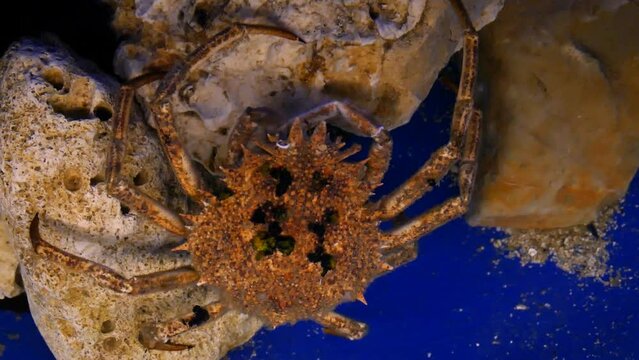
(200, 316)
(103, 112)
(99, 178)
(107, 326)
(141, 178)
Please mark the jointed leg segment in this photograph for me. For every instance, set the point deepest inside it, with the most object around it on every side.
(106, 277)
(441, 161)
(450, 209)
(339, 325)
(157, 335)
(120, 188)
(461, 148)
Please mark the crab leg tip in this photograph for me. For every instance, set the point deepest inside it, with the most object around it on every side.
(361, 298)
(387, 267)
(181, 247)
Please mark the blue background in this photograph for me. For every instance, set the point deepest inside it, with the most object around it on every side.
(457, 300)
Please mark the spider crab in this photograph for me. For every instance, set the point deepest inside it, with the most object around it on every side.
(292, 234)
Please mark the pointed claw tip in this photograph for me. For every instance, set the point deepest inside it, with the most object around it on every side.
(181, 247)
(361, 298)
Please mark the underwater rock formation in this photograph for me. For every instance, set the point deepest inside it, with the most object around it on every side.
(562, 134)
(54, 133)
(381, 57)
(8, 264)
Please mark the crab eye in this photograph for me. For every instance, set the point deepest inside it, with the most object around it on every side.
(282, 144)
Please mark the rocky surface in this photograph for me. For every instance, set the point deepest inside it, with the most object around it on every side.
(380, 56)
(579, 249)
(8, 264)
(562, 134)
(54, 131)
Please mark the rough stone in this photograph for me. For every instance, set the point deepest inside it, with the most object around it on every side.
(8, 265)
(562, 136)
(381, 57)
(54, 132)
(580, 249)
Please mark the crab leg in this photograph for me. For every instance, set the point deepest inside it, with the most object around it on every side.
(181, 164)
(155, 336)
(380, 152)
(240, 136)
(400, 255)
(450, 209)
(441, 161)
(339, 325)
(106, 277)
(121, 189)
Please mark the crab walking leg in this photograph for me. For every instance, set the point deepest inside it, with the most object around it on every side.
(181, 164)
(218, 42)
(468, 163)
(399, 255)
(441, 161)
(380, 152)
(119, 188)
(339, 325)
(432, 219)
(156, 336)
(106, 277)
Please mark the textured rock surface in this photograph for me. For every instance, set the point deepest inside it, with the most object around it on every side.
(562, 136)
(579, 249)
(380, 56)
(53, 139)
(8, 264)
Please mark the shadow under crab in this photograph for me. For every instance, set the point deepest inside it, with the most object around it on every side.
(293, 234)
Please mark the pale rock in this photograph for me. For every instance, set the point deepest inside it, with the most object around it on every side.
(562, 129)
(8, 265)
(53, 146)
(381, 57)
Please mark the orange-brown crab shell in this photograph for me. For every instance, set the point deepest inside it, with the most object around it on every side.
(282, 288)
